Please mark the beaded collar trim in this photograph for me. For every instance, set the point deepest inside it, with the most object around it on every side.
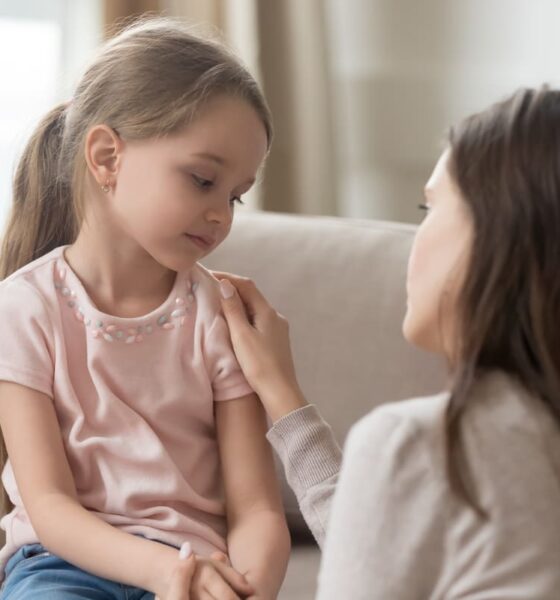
(112, 332)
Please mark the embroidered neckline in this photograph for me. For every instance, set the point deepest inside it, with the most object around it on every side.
(112, 329)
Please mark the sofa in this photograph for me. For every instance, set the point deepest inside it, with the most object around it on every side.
(341, 284)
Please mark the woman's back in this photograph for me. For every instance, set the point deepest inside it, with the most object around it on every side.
(396, 523)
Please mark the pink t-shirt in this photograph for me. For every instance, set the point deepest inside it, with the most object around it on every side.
(134, 399)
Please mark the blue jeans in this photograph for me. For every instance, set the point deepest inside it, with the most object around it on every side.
(33, 573)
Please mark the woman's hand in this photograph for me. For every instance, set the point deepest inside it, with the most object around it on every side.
(197, 578)
(260, 338)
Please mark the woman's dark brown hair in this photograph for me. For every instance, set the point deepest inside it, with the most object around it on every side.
(506, 163)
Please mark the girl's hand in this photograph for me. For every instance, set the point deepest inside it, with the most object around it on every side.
(196, 578)
(261, 340)
(214, 577)
(181, 577)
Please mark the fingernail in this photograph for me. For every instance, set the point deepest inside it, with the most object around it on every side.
(226, 289)
(185, 551)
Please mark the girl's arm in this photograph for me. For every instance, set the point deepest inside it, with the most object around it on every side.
(258, 538)
(304, 442)
(36, 451)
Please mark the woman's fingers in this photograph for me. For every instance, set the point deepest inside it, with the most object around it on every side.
(261, 341)
(235, 311)
(247, 290)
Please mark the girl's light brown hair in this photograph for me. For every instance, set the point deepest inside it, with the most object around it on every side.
(506, 163)
(147, 81)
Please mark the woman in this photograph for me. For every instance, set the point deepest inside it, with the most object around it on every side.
(455, 495)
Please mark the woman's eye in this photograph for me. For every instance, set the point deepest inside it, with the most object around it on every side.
(202, 183)
(424, 207)
(236, 200)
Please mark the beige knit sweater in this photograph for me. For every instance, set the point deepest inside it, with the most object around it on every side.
(395, 530)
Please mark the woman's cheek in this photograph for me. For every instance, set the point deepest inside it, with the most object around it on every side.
(423, 290)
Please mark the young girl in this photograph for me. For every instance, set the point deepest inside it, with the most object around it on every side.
(456, 495)
(128, 425)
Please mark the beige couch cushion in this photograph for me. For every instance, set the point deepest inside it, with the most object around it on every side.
(341, 283)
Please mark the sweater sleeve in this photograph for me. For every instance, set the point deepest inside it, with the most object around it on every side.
(311, 459)
(387, 524)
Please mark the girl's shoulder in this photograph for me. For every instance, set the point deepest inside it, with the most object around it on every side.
(206, 289)
(28, 290)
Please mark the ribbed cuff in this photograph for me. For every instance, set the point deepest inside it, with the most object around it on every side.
(307, 448)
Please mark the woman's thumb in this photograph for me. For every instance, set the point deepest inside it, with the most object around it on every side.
(232, 305)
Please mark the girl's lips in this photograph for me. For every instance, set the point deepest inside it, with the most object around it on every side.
(202, 241)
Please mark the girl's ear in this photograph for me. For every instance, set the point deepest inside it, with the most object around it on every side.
(103, 149)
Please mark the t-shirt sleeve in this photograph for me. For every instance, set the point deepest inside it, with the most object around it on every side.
(25, 338)
(228, 381)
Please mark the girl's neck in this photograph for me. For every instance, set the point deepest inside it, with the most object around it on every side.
(119, 276)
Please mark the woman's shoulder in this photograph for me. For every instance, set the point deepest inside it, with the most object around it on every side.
(510, 431)
(497, 402)
(418, 416)
(408, 432)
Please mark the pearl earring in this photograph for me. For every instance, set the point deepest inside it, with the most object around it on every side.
(106, 188)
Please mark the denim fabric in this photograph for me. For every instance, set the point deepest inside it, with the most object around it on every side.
(33, 573)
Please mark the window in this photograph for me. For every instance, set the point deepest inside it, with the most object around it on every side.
(43, 47)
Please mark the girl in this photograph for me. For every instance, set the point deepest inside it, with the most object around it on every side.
(122, 406)
(456, 495)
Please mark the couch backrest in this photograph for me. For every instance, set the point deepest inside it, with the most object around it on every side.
(341, 284)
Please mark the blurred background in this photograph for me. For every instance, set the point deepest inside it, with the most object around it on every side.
(362, 91)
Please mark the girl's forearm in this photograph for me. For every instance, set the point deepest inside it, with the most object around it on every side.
(259, 548)
(73, 533)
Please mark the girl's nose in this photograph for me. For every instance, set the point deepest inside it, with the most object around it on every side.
(221, 214)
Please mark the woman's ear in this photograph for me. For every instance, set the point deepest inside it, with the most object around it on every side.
(103, 150)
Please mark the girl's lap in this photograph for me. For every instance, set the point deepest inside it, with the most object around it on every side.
(35, 573)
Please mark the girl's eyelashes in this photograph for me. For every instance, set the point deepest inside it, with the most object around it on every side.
(424, 207)
(206, 184)
(201, 182)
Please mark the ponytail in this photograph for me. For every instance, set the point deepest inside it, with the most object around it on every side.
(42, 215)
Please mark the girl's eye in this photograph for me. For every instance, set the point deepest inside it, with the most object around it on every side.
(202, 183)
(424, 207)
(236, 200)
